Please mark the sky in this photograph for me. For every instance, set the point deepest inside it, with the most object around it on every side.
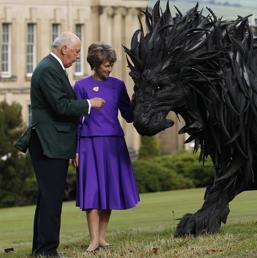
(226, 8)
(243, 3)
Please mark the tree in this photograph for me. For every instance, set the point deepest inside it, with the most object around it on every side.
(149, 147)
(17, 182)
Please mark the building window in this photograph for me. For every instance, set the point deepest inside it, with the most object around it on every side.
(79, 63)
(31, 48)
(55, 31)
(6, 51)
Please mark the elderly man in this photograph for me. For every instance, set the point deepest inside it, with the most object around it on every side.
(55, 113)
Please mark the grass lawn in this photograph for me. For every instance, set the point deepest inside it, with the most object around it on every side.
(146, 231)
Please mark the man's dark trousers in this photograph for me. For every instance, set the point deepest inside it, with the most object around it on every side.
(51, 178)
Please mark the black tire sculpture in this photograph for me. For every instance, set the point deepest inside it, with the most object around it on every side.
(205, 69)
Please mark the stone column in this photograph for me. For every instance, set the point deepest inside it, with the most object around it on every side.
(118, 35)
(69, 15)
(170, 140)
(117, 41)
(106, 24)
(131, 25)
(92, 32)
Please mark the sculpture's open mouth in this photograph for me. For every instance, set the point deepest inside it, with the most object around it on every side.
(149, 126)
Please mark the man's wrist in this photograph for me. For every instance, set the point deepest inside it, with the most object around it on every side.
(89, 106)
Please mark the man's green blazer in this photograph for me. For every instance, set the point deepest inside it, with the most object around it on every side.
(55, 109)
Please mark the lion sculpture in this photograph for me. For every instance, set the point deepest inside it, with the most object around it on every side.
(203, 68)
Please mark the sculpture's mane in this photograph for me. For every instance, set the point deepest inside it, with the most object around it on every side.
(216, 59)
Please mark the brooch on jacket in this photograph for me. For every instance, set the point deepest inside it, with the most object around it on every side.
(96, 88)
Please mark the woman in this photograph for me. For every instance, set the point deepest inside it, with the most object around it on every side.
(105, 175)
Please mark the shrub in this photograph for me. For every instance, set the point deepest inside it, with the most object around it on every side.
(17, 182)
(152, 178)
(70, 190)
(179, 171)
(187, 164)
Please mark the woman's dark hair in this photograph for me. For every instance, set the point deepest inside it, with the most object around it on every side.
(100, 52)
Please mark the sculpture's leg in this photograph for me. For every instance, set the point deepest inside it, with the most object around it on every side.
(208, 219)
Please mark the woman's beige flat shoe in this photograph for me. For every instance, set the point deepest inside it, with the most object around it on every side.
(88, 252)
(105, 246)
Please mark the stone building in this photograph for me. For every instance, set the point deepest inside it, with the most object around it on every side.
(28, 27)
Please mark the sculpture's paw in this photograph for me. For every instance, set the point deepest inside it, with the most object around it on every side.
(186, 226)
(201, 222)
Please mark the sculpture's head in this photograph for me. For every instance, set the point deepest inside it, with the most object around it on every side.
(160, 66)
(156, 93)
(203, 68)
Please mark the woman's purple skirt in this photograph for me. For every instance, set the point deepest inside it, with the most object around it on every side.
(105, 178)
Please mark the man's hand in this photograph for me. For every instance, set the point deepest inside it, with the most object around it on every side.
(97, 103)
(75, 161)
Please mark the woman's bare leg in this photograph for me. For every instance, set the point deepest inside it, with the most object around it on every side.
(104, 217)
(93, 228)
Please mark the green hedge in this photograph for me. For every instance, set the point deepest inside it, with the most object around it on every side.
(162, 173)
(187, 164)
(151, 177)
(179, 171)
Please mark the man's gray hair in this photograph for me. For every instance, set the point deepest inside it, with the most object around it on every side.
(66, 38)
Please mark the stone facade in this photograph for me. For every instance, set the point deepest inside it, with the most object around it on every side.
(27, 29)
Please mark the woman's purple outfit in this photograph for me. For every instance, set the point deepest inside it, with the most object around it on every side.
(105, 175)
